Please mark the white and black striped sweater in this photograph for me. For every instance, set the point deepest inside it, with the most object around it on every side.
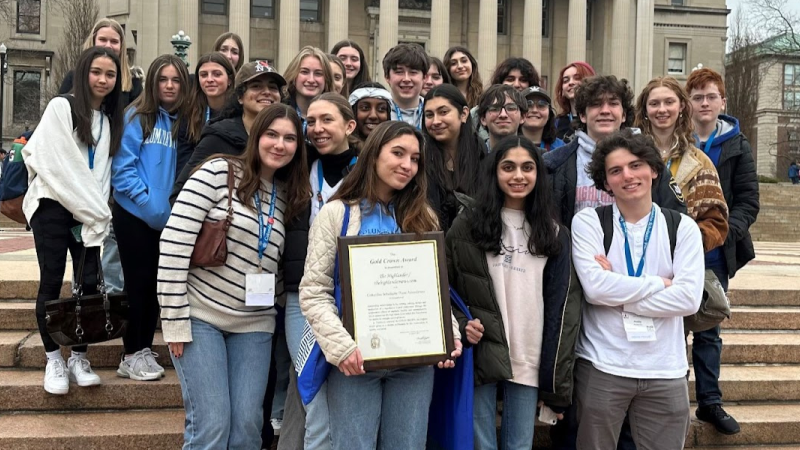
(216, 295)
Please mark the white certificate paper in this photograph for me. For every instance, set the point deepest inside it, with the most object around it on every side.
(397, 307)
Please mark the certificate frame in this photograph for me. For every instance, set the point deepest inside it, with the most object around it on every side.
(346, 243)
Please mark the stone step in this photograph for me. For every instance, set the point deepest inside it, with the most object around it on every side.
(21, 390)
(764, 297)
(763, 318)
(152, 430)
(9, 343)
(27, 289)
(759, 348)
(18, 315)
(762, 425)
(756, 383)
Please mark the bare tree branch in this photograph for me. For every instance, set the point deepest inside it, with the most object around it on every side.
(79, 18)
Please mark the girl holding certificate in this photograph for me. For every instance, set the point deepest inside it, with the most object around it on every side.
(384, 194)
(510, 261)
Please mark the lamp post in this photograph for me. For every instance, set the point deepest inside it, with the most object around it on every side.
(181, 42)
(3, 68)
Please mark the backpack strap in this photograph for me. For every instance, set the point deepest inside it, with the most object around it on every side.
(606, 215)
(71, 101)
(673, 219)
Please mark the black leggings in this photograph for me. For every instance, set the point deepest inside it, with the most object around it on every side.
(52, 235)
(138, 253)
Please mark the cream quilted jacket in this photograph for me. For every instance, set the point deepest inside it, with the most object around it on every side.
(316, 287)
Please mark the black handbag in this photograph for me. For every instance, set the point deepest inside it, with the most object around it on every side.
(87, 319)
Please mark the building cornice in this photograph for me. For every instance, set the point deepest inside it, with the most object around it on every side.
(692, 9)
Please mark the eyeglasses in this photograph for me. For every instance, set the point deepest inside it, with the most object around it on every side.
(509, 107)
(708, 97)
(541, 103)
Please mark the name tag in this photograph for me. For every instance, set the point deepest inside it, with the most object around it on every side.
(638, 328)
(259, 289)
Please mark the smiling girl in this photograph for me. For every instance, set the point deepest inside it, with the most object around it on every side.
(308, 75)
(355, 64)
(437, 74)
(538, 123)
(142, 176)
(463, 69)
(569, 79)
(371, 104)
(510, 261)
(69, 165)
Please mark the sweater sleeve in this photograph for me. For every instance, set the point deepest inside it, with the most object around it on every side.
(709, 209)
(683, 297)
(604, 287)
(124, 177)
(204, 189)
(53, 155)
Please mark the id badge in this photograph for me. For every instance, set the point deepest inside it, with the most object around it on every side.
(259, 289)
(638, 328)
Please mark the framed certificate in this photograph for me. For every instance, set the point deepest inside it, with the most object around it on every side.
(395, 298)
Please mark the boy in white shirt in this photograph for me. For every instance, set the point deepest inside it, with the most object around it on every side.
(631, 350)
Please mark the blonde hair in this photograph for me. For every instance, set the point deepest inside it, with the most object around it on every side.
(105, 22)
(293, 70)
(683, 134)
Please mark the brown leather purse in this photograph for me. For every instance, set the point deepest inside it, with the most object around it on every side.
(211, 247)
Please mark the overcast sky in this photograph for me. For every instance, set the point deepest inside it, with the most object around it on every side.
(792, 5)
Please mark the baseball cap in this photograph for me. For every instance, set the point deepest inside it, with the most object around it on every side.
(536, 90)
(257, 69)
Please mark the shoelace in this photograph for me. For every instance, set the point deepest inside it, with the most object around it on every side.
(85, 365)
(59, 368)
(150, 357)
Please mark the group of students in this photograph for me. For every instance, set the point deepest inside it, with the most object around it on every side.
(560, 321)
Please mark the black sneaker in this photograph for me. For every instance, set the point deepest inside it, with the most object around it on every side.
(715, 415)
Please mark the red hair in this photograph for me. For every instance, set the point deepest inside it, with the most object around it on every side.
(699, 78)
(584, 71)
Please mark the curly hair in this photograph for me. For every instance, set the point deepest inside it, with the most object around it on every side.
(594, 90)
(683, 134)
(639, 145)
(524, 66)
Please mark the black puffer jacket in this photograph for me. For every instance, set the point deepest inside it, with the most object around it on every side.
(468, 273)
(562, 166)
(226, 136)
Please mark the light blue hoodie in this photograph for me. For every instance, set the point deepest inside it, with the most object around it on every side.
(376, 221)
(143, 171)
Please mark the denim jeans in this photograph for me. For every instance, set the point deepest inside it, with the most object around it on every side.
(112, 267)
(385, 409)
(223, 382)
(318, 428)
(519, 415)
(706, 357)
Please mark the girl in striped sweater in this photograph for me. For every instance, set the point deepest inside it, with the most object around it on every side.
(219, 337)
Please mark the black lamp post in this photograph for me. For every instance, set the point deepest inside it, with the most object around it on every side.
(3, 68)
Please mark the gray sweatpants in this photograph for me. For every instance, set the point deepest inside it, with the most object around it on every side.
(658, 410)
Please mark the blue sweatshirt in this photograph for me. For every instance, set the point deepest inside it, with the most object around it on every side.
(143, 171)
(375, 220)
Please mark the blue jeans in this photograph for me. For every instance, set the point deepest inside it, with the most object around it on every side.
(707, 356)
(112, 267)
(318, 427)
(385, 409)
(223, 382)
(519, 415)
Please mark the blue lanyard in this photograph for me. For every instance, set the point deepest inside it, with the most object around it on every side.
(265, 232)
(321, 179)
(647, 232)
(416, 116)
(570, 116)
(669, 164)
(305, 124)
(208, 113)
(709, 142)
(91, 148)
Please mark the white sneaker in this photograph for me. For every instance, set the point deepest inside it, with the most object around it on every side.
(150, 357)
(276, 426)
(136, 368)
(80, 372)
(55, 377)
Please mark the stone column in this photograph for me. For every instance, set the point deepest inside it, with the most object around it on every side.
(338, 14)
(576, 31)
(532, 33)
(387, 33)
(487, 37)
(644, 44)
(147, 46)
(289, 33)
(239, 23)
(188, 15)
(440, 27)
(621, 38)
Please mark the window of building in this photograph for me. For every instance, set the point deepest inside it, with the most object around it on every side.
(309, 10)
(546, 18)
(262, 9)
(502, 17)
(791, 86)
(27, 96)
(218, 7)
(678, 2)
(676, 63)
(589, 9)
(28, 16)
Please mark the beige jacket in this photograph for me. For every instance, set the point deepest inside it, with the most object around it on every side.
(316, 287)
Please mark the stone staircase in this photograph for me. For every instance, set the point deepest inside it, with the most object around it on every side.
(779, 217)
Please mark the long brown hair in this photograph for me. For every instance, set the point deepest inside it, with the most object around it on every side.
(224, 37)
(146, 105)
(294, 175)
(584, 70)
(683, 134)
(414, 214)
(474, 84)
(199, 101)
